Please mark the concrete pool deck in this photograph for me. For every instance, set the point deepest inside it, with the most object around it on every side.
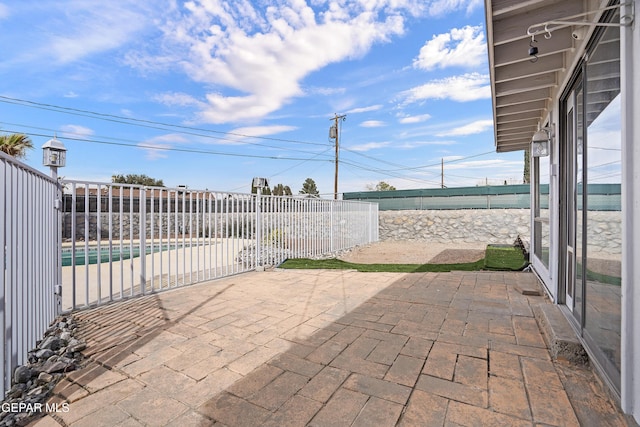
(328, 348)
(177, 266)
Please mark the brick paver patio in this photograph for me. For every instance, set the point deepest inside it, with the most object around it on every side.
(327, 348)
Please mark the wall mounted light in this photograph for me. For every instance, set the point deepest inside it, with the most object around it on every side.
(541, 142)
(579, 32)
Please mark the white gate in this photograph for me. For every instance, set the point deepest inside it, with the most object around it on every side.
(29, 243)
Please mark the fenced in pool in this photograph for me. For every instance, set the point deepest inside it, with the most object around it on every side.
(105, 254)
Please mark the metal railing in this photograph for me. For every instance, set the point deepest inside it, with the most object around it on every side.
(30, 247)
(124, 240)
(69, 245)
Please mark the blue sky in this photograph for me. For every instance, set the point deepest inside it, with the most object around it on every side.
(210, 93)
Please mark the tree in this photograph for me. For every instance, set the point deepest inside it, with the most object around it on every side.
(15, 144)
(282, 190)
(381, 186)
(309, 187)
(137, 180)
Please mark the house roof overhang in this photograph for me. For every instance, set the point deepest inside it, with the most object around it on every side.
(522, 85)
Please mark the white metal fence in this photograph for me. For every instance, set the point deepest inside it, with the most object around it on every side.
(29, 242)
(125, 240)
(73, 244)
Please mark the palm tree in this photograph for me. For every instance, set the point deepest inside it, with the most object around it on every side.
(15, 144)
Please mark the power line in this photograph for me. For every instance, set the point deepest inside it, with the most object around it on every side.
(405, 168)
(183, 150)
(140, 122)
(206, 133)
(387, 173)
(129, 140)
(390, 172)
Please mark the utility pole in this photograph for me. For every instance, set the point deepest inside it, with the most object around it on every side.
(334, 132)
(442, 173)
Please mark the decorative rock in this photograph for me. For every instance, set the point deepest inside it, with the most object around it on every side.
(17, 390)
(44, 353)
(22, 374)
(52, 343)
(45, 362)
(75, 346)
(45, 377)
(34, 391)
(57, 366)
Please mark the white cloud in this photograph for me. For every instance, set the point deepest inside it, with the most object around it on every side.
(416, 144)
(372, 124)
(263, 55)
(463, 47)
(473, 128)
(365, 109)
(97, 27)
(75, 131)
(4, 11)
(442, 7)
(262, 130)
(60, 33)
(70, 94)
(155, 151)
(415, 119)
(156, 147)
(179, 99)
(369, 146)
(464, 88)
(325, 91)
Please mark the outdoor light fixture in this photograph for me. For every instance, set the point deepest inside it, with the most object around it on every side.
(54, 153)
(260, 183)
(579, 33)
(540, 143)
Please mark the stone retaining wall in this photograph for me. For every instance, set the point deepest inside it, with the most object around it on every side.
(490, 226)
(456, 226)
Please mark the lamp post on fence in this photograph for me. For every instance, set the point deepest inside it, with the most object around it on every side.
(54, 155)
(259, 184)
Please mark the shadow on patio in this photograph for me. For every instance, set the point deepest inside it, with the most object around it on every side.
(325, 348)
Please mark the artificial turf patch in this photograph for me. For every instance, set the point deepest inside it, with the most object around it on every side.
(497, 257)
(336, 264)
(504, 258)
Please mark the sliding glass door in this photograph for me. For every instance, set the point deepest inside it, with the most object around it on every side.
(590, 222)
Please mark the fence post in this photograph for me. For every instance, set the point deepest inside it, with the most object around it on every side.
(142, 223)
(331, 225)
(258, 227)
(57, 206)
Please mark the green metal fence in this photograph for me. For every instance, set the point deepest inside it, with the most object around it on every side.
(601, 197)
